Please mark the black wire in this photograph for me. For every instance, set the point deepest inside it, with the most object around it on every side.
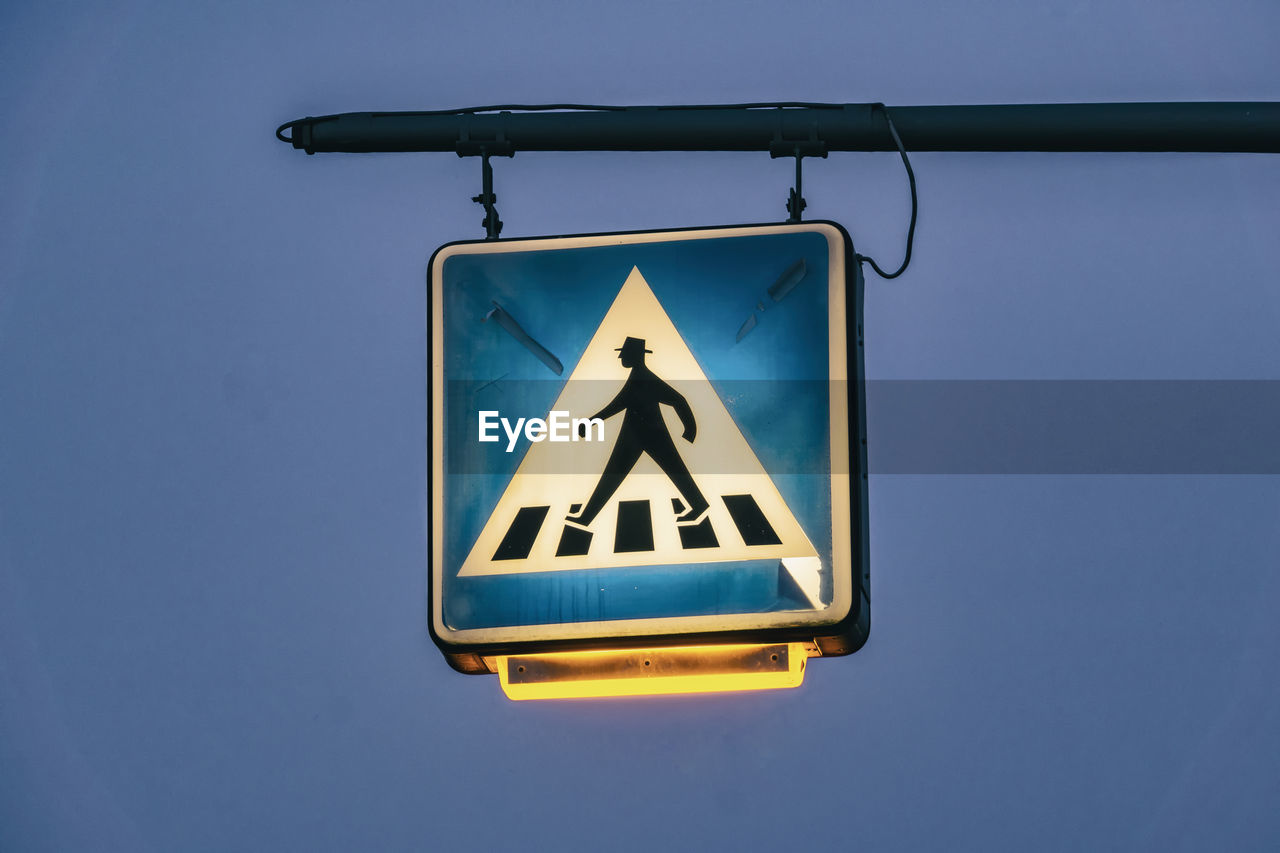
(534, 108)
(911, 178)
(520, 108)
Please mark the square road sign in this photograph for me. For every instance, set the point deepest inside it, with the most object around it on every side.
(647, 438)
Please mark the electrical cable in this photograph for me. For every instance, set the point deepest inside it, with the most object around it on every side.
(534, 108)
(911, 178)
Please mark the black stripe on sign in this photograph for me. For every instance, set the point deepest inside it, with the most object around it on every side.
(518, 542)
(635, 527)
(574, 541)
(751, 522)
(700, 535)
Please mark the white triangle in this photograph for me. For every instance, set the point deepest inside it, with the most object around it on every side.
(558, 475)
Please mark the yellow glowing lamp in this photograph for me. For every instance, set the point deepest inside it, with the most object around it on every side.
(684, 509)
(648, 672)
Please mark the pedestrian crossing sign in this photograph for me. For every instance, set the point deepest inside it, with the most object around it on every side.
(697, 472)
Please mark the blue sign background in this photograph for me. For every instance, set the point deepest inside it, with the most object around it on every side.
(774, 385)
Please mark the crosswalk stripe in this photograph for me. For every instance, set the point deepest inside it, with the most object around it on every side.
(518, 542)
(635, 528)
(750, 521)
(574, 542)
(700, 535)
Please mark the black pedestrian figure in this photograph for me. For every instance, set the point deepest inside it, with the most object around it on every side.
(644, 431)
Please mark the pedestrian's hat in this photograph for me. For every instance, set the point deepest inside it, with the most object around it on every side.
(633, 345)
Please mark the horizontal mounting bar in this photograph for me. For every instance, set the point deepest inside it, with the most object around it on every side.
(1207, 126)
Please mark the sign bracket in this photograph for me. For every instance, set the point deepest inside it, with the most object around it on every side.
(492, 224)
(810, 146)
(497, 146)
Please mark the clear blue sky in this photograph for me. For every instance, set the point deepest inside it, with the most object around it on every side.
(212, 485)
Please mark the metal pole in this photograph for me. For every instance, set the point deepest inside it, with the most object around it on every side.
(1218, 126)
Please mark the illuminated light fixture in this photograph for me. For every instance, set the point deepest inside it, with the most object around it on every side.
(724, 494)
(649, 672)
